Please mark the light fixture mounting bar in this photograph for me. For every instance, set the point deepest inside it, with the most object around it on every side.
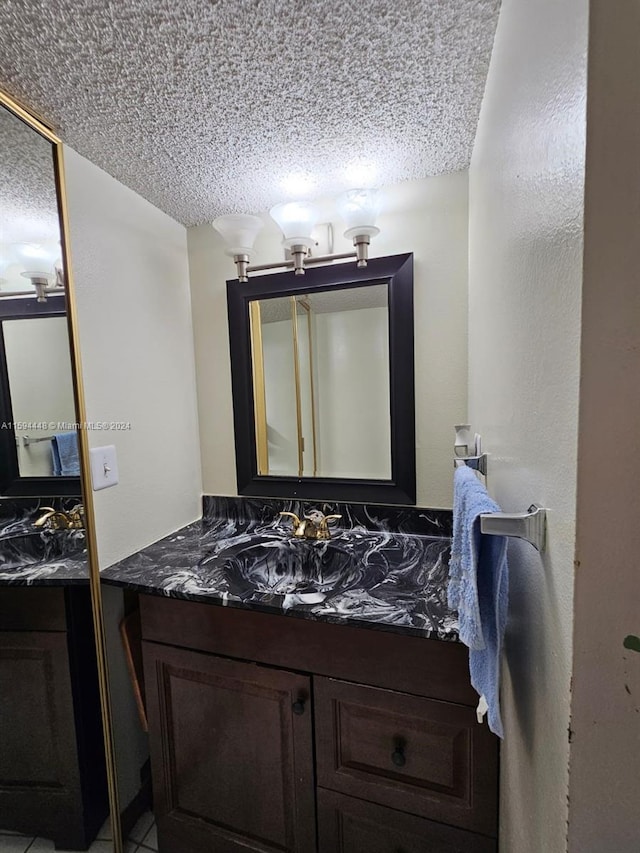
(321, 259)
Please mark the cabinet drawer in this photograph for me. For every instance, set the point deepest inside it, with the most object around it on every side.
(347, 825)
(421, 756)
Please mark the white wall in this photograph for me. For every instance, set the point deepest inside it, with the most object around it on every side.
(525, 263)
(604, 791)
(131, 274)
(134, 319)
(352, 362)
(428, 218)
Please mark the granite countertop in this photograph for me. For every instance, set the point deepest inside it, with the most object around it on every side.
(33, 557)
(384, 568)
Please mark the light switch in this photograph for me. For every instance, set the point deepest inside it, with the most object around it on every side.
(104, 467)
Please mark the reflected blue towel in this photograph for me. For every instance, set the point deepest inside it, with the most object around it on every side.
(479, 588)
(64, 449)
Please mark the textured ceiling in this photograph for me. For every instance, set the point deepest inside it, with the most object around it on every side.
(208, 107)
(28, 208)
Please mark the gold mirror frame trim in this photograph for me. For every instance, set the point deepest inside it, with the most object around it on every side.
(257, 359)
(83, 440)
(259, 385)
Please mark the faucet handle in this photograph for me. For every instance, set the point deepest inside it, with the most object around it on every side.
(42, 520)
(322, 524)
(296, 520)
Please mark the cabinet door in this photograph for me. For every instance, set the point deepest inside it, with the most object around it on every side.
(421, 756)
(40, 786)
(231, 754)
(348, 825)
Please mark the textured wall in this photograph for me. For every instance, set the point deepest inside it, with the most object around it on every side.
(605, 748)
(428, 218)
(131, 273)
(525, 261)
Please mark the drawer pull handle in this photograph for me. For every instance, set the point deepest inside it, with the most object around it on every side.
(398, 757)
(298, 707)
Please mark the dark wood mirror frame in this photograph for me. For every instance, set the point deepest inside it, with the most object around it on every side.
(12, 484)
(396, 271)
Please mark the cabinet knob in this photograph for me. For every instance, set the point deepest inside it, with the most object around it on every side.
(398, 756)
(298, 707)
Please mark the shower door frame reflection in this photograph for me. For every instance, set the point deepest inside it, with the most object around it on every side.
(38, 126)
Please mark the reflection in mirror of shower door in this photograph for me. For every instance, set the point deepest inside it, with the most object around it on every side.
(307, 423)
(259, 395)
(283, 387)
(279, 386)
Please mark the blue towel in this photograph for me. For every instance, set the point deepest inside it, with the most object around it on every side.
(479, 588)
(64, 449)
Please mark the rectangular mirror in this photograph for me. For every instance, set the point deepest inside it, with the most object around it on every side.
(53, 763)
(312, 417)
(38, 441)
(320, 410)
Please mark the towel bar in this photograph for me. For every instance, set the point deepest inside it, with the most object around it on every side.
(530, 525)
(27, 440)
(478, 463)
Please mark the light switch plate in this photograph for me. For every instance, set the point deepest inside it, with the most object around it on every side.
(104, 467)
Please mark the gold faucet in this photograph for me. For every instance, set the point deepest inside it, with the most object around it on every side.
(58, 519)
(315, 525)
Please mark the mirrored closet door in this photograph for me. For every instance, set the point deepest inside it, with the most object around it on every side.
(54, 791)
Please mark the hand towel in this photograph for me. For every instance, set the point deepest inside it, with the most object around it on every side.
(64, 450)
(478, 588)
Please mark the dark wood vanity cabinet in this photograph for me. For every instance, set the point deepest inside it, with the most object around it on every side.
(276, 734)
(53, 777)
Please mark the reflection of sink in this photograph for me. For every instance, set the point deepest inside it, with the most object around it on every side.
(290, 567)
(25, 549)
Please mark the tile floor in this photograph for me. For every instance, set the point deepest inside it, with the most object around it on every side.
(143, 838)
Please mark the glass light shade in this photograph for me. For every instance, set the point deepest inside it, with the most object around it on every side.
(40, 274)
(359, 209)
(36, 259)
(239, 232)
(296, 220)
(40, 254)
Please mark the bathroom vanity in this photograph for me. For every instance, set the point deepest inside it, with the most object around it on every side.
(258, 720)
(340, 723)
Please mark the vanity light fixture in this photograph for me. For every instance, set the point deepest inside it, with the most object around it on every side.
(40, 264)
(297, 219)
(239, 232)
(360, 209)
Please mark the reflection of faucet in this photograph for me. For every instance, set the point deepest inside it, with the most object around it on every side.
(58, 519)
(315, 525)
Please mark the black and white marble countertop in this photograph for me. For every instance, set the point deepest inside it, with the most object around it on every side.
(384, 568)
(33, 557)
